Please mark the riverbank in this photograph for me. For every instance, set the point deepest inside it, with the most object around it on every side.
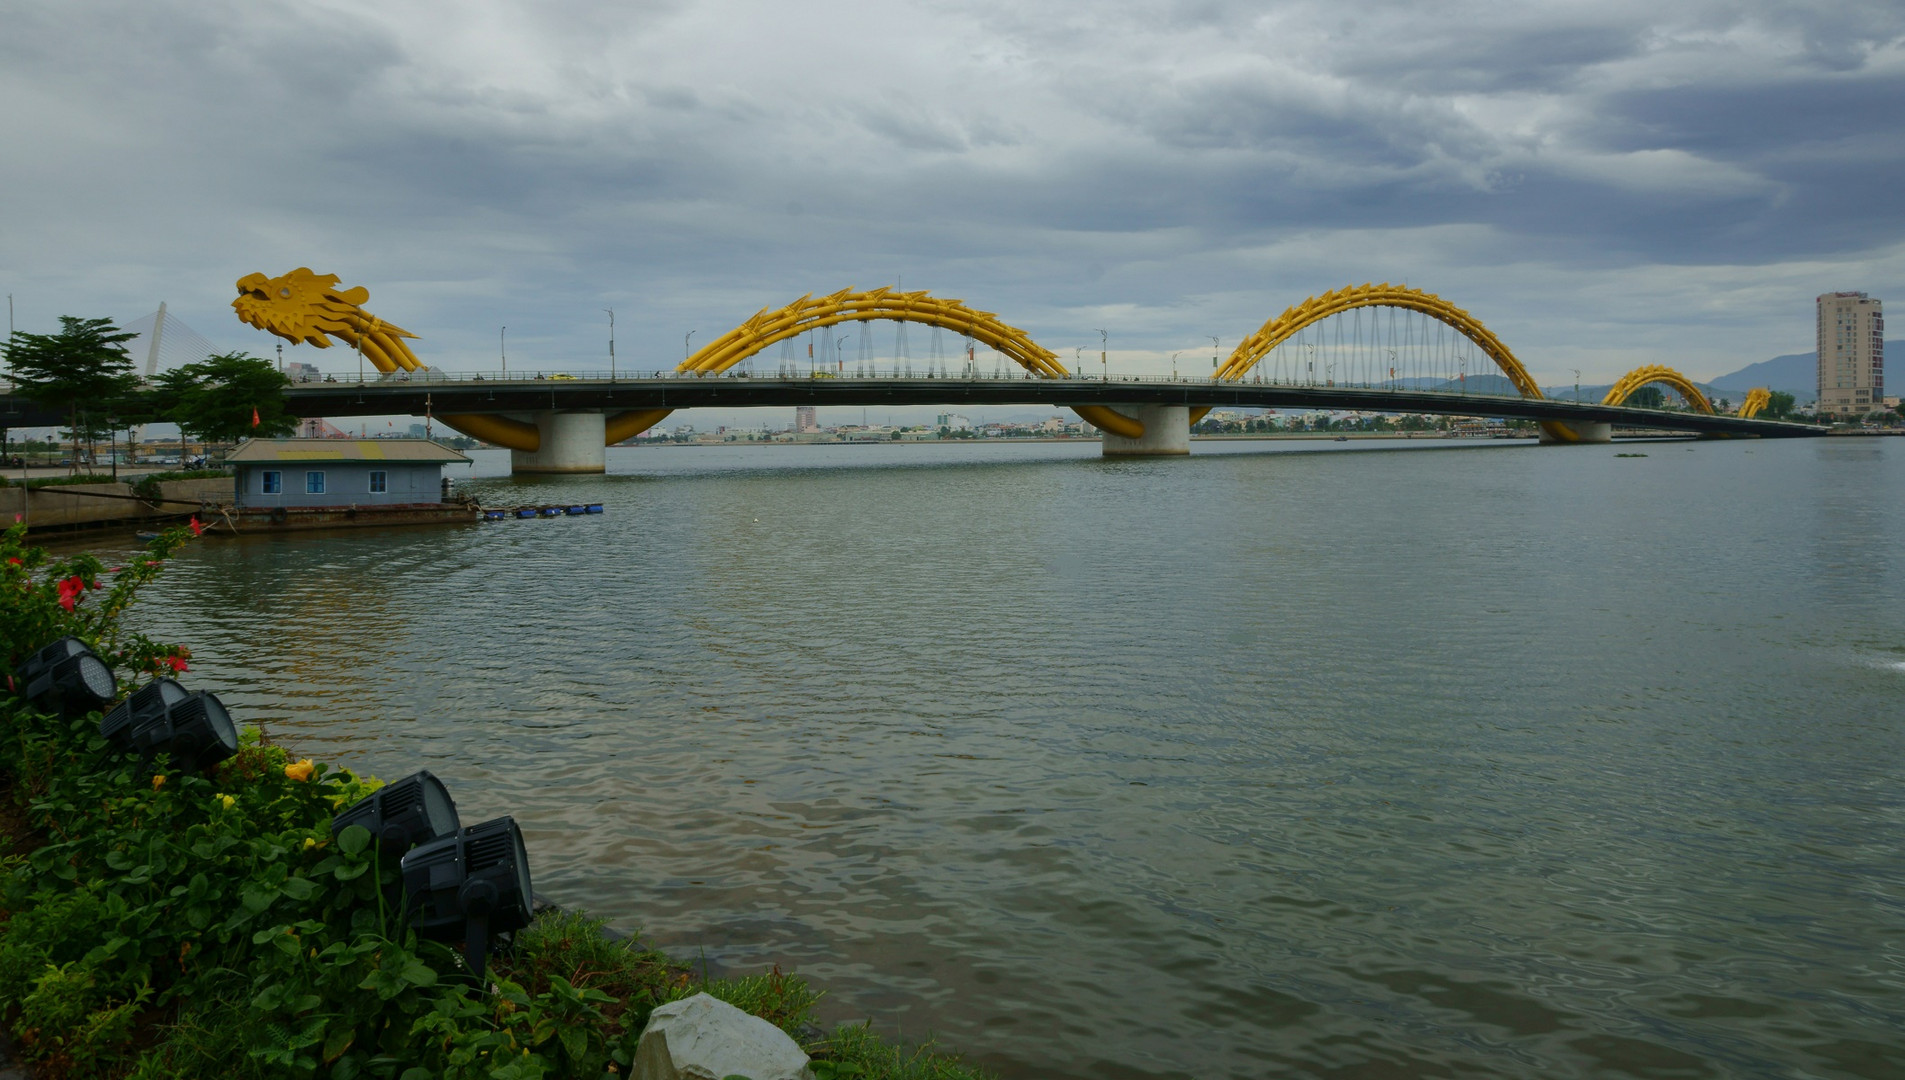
(78, 507)
(167, 922)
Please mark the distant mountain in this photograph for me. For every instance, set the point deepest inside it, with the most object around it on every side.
(1796, 374)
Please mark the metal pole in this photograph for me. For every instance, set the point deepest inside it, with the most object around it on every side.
(1104, 340)
(611, 312)
(502, 346)
(685, 353)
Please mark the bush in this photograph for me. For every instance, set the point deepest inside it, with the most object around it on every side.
(76, 479)
(162, 923)
(147, 486)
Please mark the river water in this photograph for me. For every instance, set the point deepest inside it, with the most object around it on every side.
(1312, 760)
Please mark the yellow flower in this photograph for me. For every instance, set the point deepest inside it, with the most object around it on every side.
(309, 843)
(158, 781)
(227, 801)
(299, 770)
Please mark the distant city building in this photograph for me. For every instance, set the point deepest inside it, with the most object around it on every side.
(299, 371)
(954, 421)
(1851, 354)
(804, 420)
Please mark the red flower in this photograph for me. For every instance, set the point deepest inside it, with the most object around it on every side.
(196, 527)
(15, 562)
(71, 591)
(176, 663)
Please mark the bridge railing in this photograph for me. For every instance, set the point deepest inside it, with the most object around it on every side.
(949, 375)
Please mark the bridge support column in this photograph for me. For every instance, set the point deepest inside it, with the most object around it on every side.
(1167, 432)
(571, 443)
(1561, 433)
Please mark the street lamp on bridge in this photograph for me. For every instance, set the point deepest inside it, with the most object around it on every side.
(685, 353)
(611, 312)
(1104, 339)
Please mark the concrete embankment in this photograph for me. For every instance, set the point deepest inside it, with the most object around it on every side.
(73, 507)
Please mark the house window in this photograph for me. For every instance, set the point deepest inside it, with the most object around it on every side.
(271, 482)
(314, 483)
(379, 481)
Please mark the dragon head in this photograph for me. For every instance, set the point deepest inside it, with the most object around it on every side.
(300, 307)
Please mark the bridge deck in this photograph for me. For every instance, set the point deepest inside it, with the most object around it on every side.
(394, 396)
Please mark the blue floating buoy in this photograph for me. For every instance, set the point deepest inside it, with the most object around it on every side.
(595, 508)
(551, 511)
(578, 510)
(494, 515)
(525, 514)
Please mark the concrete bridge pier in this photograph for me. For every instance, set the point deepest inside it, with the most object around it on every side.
(571, 443)
(1564, 432)
(1167, 432)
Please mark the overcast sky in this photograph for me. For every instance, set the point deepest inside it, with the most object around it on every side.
(1603, 184)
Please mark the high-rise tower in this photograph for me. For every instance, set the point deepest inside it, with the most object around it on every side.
(1851, 354)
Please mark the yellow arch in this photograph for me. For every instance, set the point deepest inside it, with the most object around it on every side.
(1336, 301)
(769, 327)
(1656, 373)
(1756, 399)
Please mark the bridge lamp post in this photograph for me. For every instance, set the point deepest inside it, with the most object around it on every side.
(1174, 366)
(611, 312)
(1577, 385)
(502, 347)
(840, 365)
(686, 352)
(1078, 353)
(1104, 340)
(1215, 348)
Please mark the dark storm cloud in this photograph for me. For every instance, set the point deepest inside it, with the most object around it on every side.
(1168, 168)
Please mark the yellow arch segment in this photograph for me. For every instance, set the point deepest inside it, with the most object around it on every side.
(1756, 399)
(1657, 373)
(770, 327)
(1317, 308)
(496, 430)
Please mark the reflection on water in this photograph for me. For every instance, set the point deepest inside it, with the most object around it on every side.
(1476, 762)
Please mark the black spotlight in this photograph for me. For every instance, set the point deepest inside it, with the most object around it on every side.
(412, 811)
(469, 886)
(66, 679)
(141, 707)
(194, 727)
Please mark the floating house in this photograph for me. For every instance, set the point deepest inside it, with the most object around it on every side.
(308, 483)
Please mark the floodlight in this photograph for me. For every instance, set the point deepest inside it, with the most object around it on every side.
(412, 811)
(194, 727)
(468, 886)
(141, 707)
(66, 678)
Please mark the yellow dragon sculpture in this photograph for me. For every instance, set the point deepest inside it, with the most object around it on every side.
(304, 307)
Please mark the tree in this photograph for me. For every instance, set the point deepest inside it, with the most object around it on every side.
(1778, 406)
(1647, 397)
(226, 397)
(84, 365)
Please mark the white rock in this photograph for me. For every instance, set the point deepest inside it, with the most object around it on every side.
(705, 1038)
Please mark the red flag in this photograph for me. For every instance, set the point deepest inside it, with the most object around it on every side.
(254, 416)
